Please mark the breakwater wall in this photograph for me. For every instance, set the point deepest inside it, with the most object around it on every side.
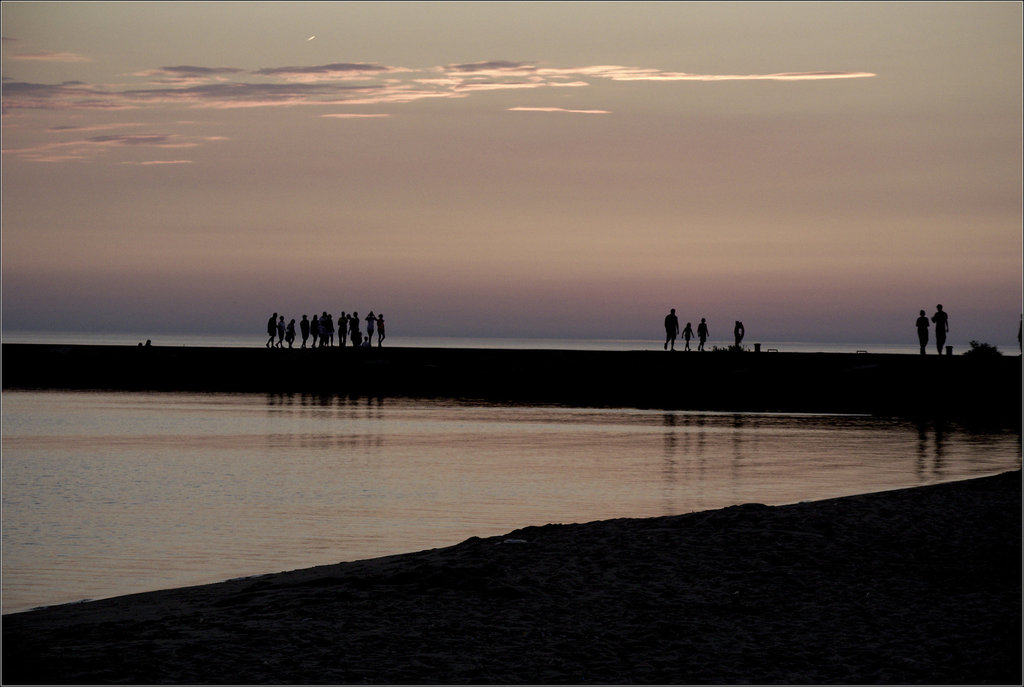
(957, 387)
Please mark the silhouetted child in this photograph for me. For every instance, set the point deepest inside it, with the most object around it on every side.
(687, 335)
(922, 331)
(702, 333)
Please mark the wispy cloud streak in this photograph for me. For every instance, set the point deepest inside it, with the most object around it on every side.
(69, 57)
(331, 84)
(556, 109)
(81, 148)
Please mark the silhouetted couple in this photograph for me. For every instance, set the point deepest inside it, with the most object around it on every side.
(941, 320)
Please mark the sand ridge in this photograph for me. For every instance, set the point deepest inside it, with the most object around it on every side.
(910, 586)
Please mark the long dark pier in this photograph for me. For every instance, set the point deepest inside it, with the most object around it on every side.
(958, 387)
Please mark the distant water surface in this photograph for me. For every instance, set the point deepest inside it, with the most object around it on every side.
(112, 493)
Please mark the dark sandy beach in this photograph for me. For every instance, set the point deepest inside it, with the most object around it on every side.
(915, 586)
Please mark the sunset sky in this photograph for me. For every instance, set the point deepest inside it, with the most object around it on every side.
(821, 171)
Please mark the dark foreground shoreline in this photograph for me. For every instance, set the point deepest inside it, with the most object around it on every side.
(957, 387)
(914, 586)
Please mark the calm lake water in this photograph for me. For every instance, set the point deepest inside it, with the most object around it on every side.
(113, 493)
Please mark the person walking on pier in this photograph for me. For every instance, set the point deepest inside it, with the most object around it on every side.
(280, 332)
(702, 333)
(941, 320)
(922, 331)
(271, 330)
(687, 335)
(671, 329)
(289, 333)
(304, 328)
(380, 329)
(314, 331)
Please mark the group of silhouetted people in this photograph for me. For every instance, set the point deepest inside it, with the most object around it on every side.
(941, 320)
(319, 332)
(672, 331)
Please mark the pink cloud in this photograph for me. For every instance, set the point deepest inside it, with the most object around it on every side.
(159, 162)
(52, 57)
(556, 109)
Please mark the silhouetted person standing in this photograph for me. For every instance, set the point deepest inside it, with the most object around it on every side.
(380, 329)
(371, 322)
(342, 329)
(687, 335)
(280, 332)
(922, 331)
(304, 328)
(738, 332)
(314, 331)
(289, 333)
(272, 330)
(702, 333)
(353, 324)
(941, 320)
(671, 329)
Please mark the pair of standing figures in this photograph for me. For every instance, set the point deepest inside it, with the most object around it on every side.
(941, 320)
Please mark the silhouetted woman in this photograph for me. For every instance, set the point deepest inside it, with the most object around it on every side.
(702, 333)
(304, 328)
(738, 332)
(922, 331)
(380, 329)
(314, 330)
(687, 335)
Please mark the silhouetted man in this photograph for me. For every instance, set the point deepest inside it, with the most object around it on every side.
(702, 333)
(922, 331)
(671, 329)
(738, 332)
(304, 328)
(272, 330)
(941, 320)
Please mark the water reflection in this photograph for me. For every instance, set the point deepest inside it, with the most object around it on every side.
(930, 449)
(114, 493)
